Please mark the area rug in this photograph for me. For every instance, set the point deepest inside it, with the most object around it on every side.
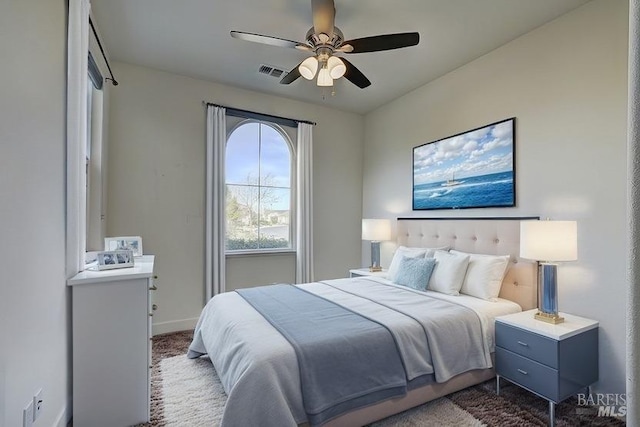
(187, 393)
(191, 392)
(193, 396)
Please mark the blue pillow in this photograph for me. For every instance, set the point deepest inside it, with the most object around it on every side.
(414, 272)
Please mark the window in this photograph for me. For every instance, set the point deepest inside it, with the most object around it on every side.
(94, 160)
(87, 165)
(258, 182)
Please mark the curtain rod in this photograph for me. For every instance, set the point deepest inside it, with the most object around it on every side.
(260, 114)
(95, 33)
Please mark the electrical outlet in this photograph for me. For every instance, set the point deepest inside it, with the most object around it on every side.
(27, 415)
(37, 404)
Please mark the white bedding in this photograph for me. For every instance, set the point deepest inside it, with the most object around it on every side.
(487, 311)
(258, 367)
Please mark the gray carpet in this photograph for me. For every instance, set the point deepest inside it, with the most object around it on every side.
(174, 377)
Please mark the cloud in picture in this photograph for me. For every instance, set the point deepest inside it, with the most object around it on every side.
(482, 151)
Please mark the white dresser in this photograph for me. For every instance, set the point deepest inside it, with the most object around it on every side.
(111, 318)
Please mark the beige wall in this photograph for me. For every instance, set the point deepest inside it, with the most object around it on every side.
(566, 84)
(157, 184)
(244, 271)
(34, 299)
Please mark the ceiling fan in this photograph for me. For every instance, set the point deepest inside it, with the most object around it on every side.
(324, 40)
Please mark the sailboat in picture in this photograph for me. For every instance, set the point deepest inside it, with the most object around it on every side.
(452, 182)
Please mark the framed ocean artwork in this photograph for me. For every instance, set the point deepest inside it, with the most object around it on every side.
(473, 169)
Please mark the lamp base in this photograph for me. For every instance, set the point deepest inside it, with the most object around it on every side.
(548, 296)
(549, 318)
(375, 257)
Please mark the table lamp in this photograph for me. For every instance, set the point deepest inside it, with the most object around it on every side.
(376, 230)
(548, 242)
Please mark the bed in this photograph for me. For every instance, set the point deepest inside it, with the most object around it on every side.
(362, 348)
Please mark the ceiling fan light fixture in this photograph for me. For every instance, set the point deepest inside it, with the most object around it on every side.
(323, 40)
(336, 67)
(308, 68)
(324, 78)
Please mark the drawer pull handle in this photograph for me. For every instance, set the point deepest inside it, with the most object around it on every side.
(524, 344)
(153, 288)
(154, 307)
(523, 372)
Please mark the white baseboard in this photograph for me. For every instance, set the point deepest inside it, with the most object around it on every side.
(65, 416)
(174, 326)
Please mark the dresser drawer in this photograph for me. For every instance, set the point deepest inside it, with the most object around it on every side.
(528, 344)
(525, 372)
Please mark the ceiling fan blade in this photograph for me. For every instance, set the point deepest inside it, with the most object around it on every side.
(270, 40)
(355, 76)
(292, 76)
(324, 14)
(382, 42)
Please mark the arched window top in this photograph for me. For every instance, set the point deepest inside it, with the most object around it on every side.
(258, 150)
(259, 182)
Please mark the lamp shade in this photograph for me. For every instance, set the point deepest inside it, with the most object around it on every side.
(549, 240)
(336, 67)
(308, 68)
(376, 229)
(324, 78)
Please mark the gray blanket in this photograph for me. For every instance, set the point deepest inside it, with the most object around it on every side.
(346, 360)
(454, 333)
(259, 369)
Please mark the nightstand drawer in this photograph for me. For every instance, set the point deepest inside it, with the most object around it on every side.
(532, 375)
(528, 344)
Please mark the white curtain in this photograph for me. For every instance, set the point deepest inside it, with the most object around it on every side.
(77, 51)
(304, 223)
(215, 200)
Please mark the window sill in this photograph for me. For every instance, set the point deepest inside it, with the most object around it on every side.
(264, 252)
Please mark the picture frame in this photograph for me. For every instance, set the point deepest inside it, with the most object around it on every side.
(472, 169)
(133, 243)
(109, 260)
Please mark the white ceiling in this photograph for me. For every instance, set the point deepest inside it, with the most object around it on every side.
(191, 37)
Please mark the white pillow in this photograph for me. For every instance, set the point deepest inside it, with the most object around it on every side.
(448, 273)
(484, 275)
(431, 251)
(392, 273)
(403, 251)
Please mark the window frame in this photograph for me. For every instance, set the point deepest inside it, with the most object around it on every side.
(288, 138)
(95, 164)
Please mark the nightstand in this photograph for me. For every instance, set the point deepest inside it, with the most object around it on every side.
(552, 361)
(358, 272)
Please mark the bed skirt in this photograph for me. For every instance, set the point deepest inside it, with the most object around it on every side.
(413, 398)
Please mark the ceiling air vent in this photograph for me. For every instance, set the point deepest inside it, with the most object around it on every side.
(270, 70)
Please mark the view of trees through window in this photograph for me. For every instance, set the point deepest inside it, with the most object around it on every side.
(258, 188)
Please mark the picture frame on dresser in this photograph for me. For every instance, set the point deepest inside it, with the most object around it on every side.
(109, 260)
(472, 169)
(133, 243)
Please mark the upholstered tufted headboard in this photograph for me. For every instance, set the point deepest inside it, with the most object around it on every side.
(494, 236)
